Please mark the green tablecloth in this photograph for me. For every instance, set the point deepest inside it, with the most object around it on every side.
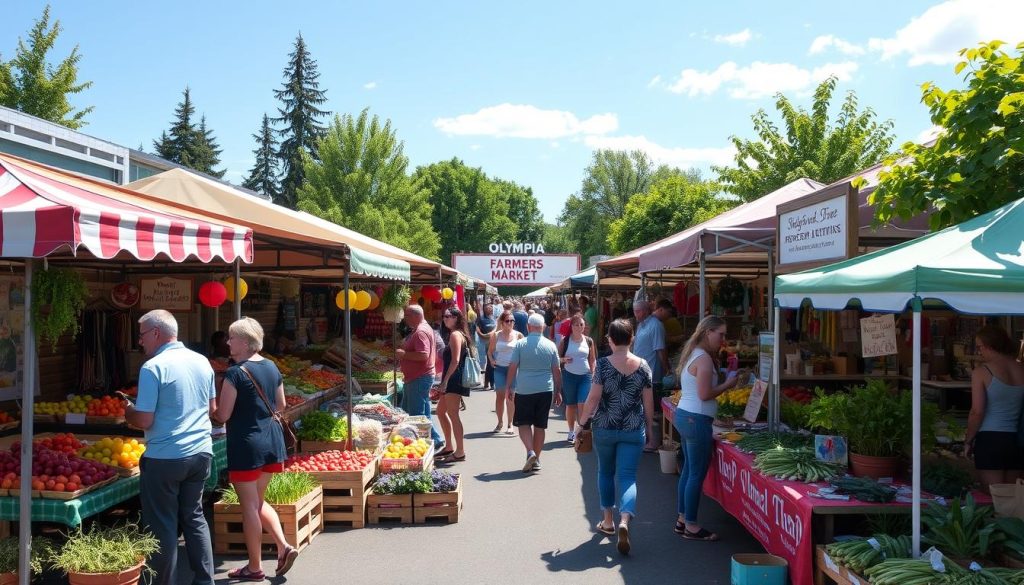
(72, 512)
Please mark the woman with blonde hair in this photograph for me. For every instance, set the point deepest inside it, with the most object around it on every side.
(253, 392)
(698, 379)
(499, 351)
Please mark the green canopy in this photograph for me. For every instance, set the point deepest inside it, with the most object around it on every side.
(377, 266)
(976, 267)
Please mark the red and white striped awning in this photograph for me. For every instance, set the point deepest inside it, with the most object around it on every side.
(43, 210)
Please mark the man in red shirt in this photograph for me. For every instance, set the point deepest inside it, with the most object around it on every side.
(416, 358)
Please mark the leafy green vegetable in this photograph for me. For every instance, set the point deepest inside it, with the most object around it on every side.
(945, 479)
(322, 426)
(284, 488)
(42, 554)
(105, 549)
(961, 531)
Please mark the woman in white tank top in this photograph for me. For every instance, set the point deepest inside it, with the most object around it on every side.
(499, 351)
(698, 379)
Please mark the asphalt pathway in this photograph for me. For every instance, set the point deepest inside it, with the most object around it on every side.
(520, 528)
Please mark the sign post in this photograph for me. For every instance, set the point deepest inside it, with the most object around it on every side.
(818, 229)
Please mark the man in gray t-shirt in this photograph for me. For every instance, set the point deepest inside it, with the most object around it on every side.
(536, 370)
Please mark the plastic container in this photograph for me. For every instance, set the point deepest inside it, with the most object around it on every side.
(669, 454)
(758, 569)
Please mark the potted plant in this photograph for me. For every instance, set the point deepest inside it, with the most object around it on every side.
(393, 303)
(64, 292)
(876, 422)
(106, 555)
(40, 559)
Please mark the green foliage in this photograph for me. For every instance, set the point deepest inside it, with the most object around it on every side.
(405, 482)
(105, 549)
(811, 146)
(64, 293)
(522, 210)
(470, 210)
(556, 240)
(188, 144)
(40, 559)
(284, 488)
(322, 426)
(977, 161)
(963, 532)
(945, 479)
(396, 297)
(360, 182)
(612, 178)
(300, 97)
(31, 84)
(670, 206)
(263, 177)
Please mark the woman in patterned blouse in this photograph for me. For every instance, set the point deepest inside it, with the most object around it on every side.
(620, 407)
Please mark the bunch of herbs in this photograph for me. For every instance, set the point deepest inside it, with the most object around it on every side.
(284, 488)
(404, 482)
(105, 549)
(41, 558)
(322, 426)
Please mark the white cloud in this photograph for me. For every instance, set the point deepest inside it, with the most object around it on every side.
(738, 39)
(758, 79)
(525, 121)
(824, 42)
(677, 157)
(655, 82)
(371, 85)
(474, 147)
(934, 37)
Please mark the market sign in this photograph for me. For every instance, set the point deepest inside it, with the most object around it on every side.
(170, 294)
(818, 229)
(517, 269)
(878, 335)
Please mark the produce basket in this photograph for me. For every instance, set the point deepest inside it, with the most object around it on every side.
(422, 424)
(104, 420)
(9, 425)
(52, 495)
(422, 464)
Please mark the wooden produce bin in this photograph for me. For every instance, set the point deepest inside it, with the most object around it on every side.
(828, 571)
(396, 509)
(301, 521)
(345, 494)
(444, 506)
(320, 446)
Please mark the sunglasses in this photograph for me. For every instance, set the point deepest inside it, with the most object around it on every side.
(449, 316)
(509, 321)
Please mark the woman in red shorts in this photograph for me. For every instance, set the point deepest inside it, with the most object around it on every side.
(255, 446)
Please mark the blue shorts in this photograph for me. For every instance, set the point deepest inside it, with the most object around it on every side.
(500, 377)
(575, 387)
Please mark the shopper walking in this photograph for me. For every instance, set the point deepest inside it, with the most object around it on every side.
(561, 317)
(458, 350)
(252, 393)
(521, 317)
(175, 402)
(578, 355)
(534, 367)
(650, 346)
(620, 409)
(416, 359)
(485, 326)
(499, 352)
(997, 396)
(590, 316)
(698, 375)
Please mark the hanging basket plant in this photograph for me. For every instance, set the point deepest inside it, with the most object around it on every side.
(63, 292)
(730, 292)
(393, 302)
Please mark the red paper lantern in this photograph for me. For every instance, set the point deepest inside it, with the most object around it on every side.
(212, 294)
(431, 293)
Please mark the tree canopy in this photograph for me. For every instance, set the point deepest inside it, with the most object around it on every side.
(810, 145)
(522, 210)
(263, 177)
(977, 161)
(187, 143)
(360, 182)
(30, 83)
(670, 206)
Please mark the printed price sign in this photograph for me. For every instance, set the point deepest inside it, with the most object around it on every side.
(755, 400)
(878, 335)
(171, 294)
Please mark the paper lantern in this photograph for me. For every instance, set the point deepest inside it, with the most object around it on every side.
(229, 286)
(212, 294)
(374, 301)
(362, 301)
(290, 288)
(339, 299)
(447, 293)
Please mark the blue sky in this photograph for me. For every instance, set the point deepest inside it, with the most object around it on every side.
(525, 90)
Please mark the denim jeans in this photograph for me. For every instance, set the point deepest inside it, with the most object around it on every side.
(618, 453)
(695, 430)
(171, 491)
(481, 353)
(416, 401)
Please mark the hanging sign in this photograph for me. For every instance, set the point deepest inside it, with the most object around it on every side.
(755, 400)
(765, 355)
(817, 229)
(878, 335)
(170, 294)
(529, 269)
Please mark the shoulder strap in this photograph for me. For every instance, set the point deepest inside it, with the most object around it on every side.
(565, 346)
(259, 389)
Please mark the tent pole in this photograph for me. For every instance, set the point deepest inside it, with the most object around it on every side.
(27, 408)
(771, 286)
(702, 284)
(773, 397)
(348, 363)
(598, 303)
(238, 289)
(915, 513)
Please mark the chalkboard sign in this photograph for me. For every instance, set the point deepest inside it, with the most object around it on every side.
(878, 335)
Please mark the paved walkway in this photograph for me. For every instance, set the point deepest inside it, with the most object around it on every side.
(518, 528)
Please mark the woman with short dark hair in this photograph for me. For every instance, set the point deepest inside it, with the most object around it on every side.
(458, 350)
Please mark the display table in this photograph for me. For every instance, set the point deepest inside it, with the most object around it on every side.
(72, 512)
(780, 514)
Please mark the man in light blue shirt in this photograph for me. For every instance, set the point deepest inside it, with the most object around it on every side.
(535, 368)
(175, 403)
(649, 342)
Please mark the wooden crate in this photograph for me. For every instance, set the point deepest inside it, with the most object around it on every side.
(381, 509)
(827, 570)
(345, 494)
(301, 522)
(319, 446)
(438, 505)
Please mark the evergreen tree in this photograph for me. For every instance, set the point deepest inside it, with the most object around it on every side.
(300, 96)
(206, 152)
(188, 144)
(30, 84)
(263, 178)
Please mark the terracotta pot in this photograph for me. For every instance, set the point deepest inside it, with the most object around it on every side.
(8, 579)
(873, 467)
(127, 577)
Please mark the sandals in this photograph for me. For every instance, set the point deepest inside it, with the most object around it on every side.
(679, 528)
(605, 530)
(451, 458)
(462, 404)
(623, 543)
(444, 454)
(497, 429)
(244, 574)
(285, 563)
(702, 534)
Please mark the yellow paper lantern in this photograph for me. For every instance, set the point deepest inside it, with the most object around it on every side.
(362, 301)
(447, 293)
(243, 288)
(339, 299)
(374, 301)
